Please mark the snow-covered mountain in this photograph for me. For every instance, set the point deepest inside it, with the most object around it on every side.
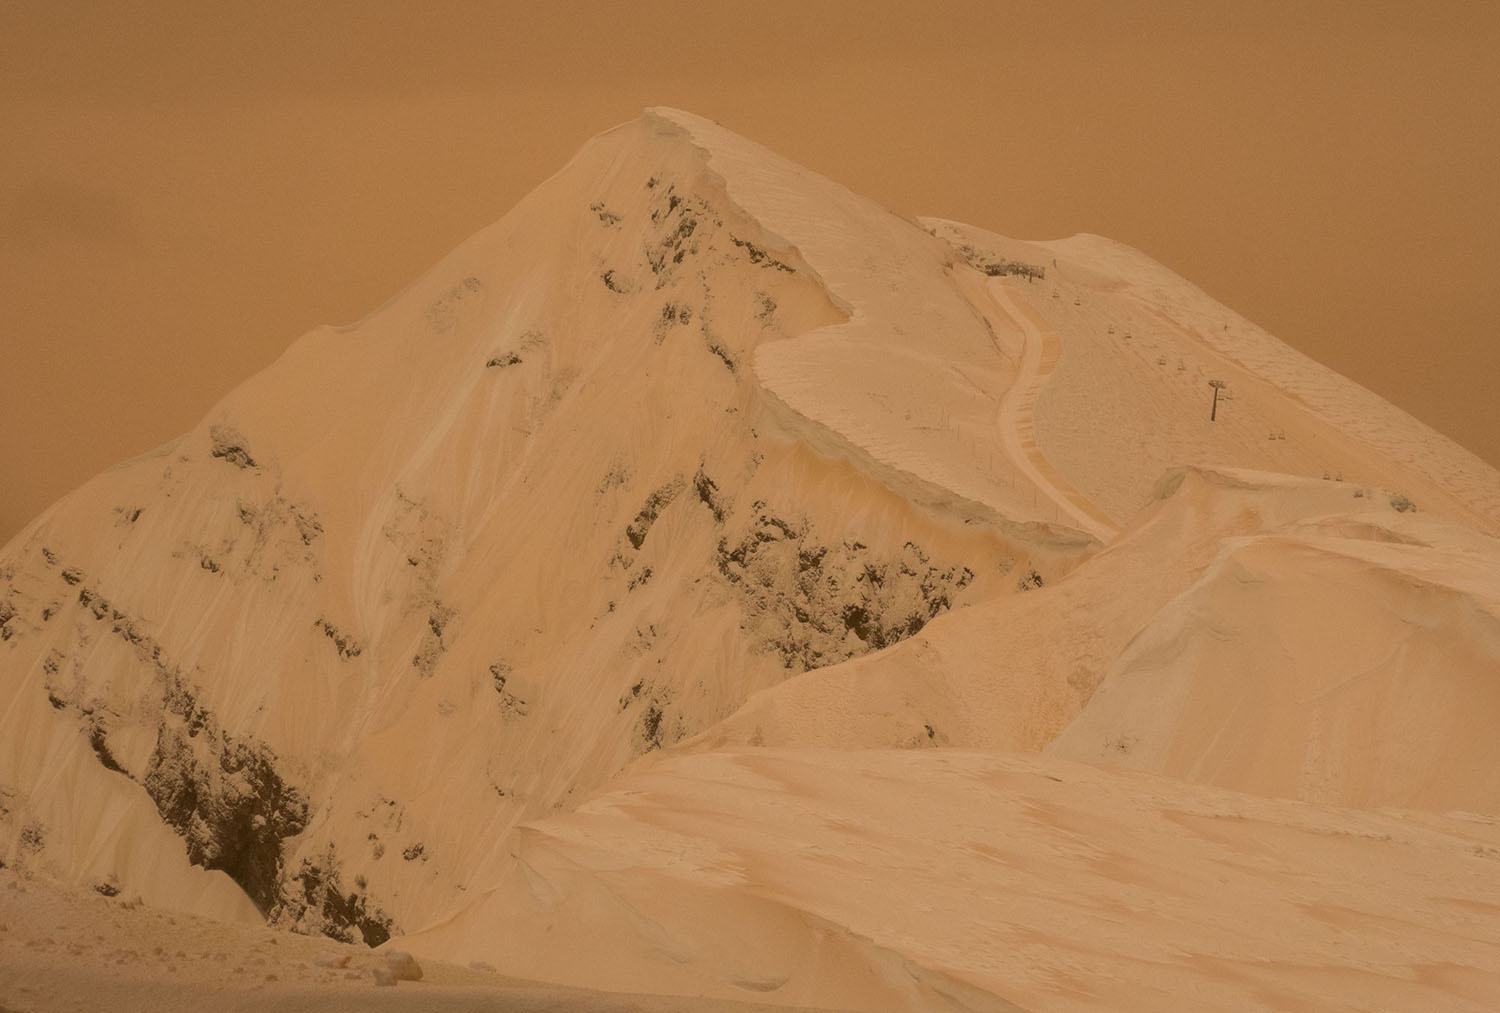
(690, 583)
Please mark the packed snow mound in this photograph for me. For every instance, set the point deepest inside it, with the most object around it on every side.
(1353, 660)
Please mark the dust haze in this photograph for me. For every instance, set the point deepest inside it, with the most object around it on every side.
(186, 191)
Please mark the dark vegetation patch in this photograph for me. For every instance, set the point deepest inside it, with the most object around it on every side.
(508, 359)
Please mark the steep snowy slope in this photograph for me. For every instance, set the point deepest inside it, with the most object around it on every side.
(460, 563)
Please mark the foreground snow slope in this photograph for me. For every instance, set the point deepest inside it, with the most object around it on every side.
(804, 873)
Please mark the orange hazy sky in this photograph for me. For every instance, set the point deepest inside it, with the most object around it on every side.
(186, 187)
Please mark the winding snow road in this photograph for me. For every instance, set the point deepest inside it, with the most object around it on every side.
(1016, 418)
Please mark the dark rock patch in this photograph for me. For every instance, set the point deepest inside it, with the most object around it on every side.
(658, 501)
(759, 256)
(309, 528)
(225, 796)
(510, 704)
(99, 743)
(618, 475)
(347, 646)
(997, 266)
(685, 227)
(608, 217)
(716, 347)
(432, 644)
(816, 604)
(227, 444)
(710, 496)
(315, 899)
(444, 314)
(671, 315)
(654, 728)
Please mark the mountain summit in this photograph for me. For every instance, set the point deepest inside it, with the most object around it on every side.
(705, 582)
